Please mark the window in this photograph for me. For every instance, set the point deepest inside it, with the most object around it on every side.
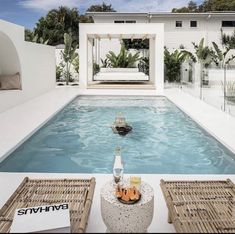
(119, 21)
(193, 24)
(130, 21)
(122, 21)
(228, 23)
(178, 24)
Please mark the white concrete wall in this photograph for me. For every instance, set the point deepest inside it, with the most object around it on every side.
(9, 60)
(175, 37)
(36, 64)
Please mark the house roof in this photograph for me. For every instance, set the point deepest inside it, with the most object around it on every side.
(161, 14)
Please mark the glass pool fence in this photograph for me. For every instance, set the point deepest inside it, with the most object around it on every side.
(214, 85)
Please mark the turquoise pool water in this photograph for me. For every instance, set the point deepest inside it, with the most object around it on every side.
(79, 139)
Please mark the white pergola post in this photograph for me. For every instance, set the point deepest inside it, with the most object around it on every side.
(89, 60)
(83, 60)
(152, 60)
(159, 63)
(155, 33)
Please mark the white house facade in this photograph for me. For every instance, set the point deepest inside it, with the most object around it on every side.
(181, 29)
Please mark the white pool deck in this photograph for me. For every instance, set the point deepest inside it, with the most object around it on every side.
(20, 122)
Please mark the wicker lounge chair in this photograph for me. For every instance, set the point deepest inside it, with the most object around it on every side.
(200, 206)
(35, 192)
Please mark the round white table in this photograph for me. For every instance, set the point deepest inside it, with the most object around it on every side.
(123, 218)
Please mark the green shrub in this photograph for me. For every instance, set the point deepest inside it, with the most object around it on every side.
(123, 60)
(96, 68)
(59, 72)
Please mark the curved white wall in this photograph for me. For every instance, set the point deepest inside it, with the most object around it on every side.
(9, 59)
(35, 62)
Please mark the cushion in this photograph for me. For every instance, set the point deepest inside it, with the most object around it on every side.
(8, 82)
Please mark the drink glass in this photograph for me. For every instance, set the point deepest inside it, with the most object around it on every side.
(117, 174)
(135, 181)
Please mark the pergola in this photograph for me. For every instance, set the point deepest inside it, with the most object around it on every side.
(153, 32)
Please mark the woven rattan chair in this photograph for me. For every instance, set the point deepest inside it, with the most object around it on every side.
(200, 206)
(78, 193)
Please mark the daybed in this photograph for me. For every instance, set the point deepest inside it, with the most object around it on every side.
(120, 75)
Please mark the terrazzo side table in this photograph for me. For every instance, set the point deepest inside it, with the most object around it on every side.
(123, 218)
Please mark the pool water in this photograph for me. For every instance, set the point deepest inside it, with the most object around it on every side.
(79, 139)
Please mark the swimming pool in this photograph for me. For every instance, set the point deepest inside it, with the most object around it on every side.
(79, 139)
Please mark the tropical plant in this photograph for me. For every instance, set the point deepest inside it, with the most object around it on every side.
(101, 8)
(96, 68)
(228, 40)
(28, 35)
(55, 24)
(40, 40)
(124, 59)
(59, 72)
(69, 54)
(192, 7)
(218, 5)
(144, 65)
(204, 55)
(62, 20)
(76, 64)
(220, 57)
(136, 44)
(228, 43)
(31, 36)
(96, 8)
(207, 6)
(173, 62)
(105, 62)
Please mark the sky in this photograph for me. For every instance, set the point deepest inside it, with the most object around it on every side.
(27, 12)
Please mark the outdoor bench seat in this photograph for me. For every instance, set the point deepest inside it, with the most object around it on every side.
(200, 206)
(78, 193)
